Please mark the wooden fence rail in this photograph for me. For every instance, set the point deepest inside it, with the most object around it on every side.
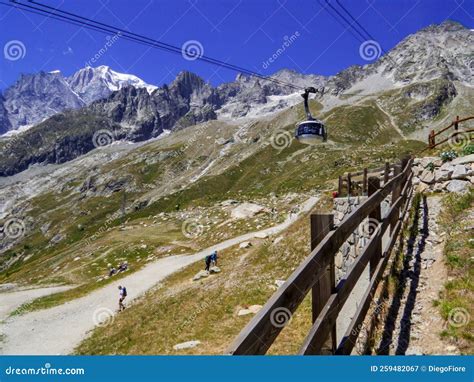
(455, 125)
(316, 272)
(349, 185)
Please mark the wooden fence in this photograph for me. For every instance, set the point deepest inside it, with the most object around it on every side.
(316, 274)
(356, 183)
(454, 125)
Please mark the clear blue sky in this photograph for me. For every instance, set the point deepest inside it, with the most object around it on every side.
(242, 32)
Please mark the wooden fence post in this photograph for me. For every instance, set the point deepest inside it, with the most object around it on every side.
(456, 125)
(349, 186)
(374, 218)
(339, 186)
(321, 224)
(431, 139)
(404, 163)
(397, 190)
(364, 186)
(386, 173)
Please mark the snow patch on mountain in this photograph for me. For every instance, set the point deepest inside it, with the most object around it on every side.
(13, 133)
(92, 84)
(443, 51)
(232, 111)
(116, 81)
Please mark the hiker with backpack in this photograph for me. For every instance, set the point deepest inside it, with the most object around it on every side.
(214, 259)
(211, 260)
(122, 295)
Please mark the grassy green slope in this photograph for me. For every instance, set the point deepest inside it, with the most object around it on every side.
(360, 135)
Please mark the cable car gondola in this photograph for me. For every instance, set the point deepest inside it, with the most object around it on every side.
(312, 130)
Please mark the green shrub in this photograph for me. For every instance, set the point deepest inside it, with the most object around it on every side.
(430, 166)
(468, 149)
(448, 155)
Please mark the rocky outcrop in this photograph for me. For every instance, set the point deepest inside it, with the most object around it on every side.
(200, 275)
(134, 110)
(252, 309)
(5, 124)
(246, 210)
(35, 97)
(186, 345)
(131, 114)
(438, 51)
(431, 174)
(441, 51)
(59, 139)
(422, 68)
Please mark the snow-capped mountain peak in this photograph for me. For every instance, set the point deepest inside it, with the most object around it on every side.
(436, 53)
(115, 80)
(95, 83)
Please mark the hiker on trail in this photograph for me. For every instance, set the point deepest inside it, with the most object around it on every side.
(122, 295)
(112, 271)
(214, 259)
(123, 266)
(208, 262)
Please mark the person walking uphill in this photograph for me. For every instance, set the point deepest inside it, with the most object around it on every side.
(122, 295)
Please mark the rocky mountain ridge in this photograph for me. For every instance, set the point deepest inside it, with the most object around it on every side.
(35, 97)
(415, 82)
(437, 51)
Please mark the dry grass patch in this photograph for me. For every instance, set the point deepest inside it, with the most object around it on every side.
(181, 310)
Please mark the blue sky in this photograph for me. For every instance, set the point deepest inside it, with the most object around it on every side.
(243, 32)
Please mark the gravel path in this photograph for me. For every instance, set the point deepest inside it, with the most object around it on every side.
(60, 329)
(13, 299)
(413, 324)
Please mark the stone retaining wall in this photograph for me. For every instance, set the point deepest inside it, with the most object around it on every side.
(350, 250)
(431, 174)
(353, 246)
(346, 256)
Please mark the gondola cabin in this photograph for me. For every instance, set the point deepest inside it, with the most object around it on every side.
(312, 130)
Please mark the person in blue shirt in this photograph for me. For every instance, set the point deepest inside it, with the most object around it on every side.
(214, 259)
(122, 295)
